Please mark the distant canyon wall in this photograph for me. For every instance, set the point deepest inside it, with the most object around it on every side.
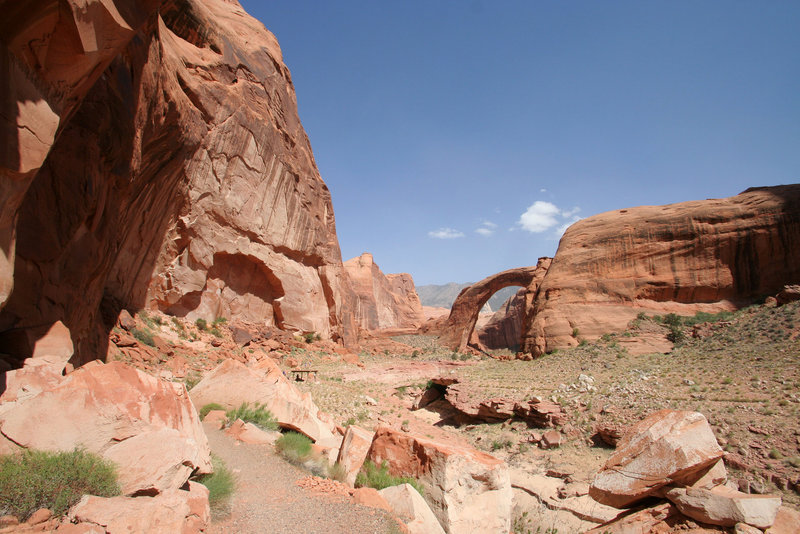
(705, 255)
(383, 301)
(158, 161)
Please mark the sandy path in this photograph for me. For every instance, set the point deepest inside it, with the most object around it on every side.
(267, 500)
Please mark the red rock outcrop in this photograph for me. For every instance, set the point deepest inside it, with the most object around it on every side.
(174, 173)
(458, 329)
(383, 301)
(705, 255)
(504, 328)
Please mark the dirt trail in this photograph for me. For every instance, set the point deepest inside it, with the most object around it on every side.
(267, 500)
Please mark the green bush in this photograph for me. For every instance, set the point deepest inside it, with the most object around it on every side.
(208, 407)
(337, 472)
(201, 324)
(143, 336)
(293, 446)
(309, 337)
(378, 477)
(258, 415)
(221, 485)
(215, 332)
(32, 480)
(219, 321)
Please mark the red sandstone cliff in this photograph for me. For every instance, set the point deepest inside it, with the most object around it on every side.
(383, 301)
(170, 170)
(701, 255)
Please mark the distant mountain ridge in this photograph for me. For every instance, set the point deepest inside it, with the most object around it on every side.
(443, 296)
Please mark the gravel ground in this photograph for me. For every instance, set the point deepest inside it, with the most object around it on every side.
(267, 500)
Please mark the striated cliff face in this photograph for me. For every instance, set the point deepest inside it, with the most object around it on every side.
(702, 255)
(383, 301)
(179, 178)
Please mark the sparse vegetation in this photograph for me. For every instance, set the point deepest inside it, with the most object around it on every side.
(201, 323)
(378, 477)
(294, 447)
(221, 485)
(143, 336)
(256, 414)
(32, 480)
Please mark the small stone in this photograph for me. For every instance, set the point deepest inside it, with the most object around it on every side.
(39, 516)
(551, 439)
(8, 521)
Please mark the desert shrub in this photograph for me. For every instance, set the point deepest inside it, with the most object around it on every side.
(257, 414)
(144, 336)
(337, 472)
(575, 332)
(309, 337)
(215, 332)
(32, 480)
(208, 407)
(378, 477)
(221, 484)
(415, 354)
(294, 447)
(191, 380)
(201, 323)
(219, 321)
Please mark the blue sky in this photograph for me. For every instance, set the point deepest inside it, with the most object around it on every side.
(459, 138)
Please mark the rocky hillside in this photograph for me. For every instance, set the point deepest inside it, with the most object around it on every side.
(157, 160)
(384, 301)
(706, 255)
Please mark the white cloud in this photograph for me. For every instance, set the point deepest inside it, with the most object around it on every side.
(486, 228)
(539, 217)
(445, 233)
(542, 216)
(543, 190)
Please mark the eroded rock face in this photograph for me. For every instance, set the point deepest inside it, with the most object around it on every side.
(706, 255)
(383, 301)
(181, 179)
(504, 328)
(469, 490)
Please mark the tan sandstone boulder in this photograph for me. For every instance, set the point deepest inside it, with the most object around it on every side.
(176, 511)
(411, 508)
(146, 425)
(667, 447)
(469, 490)
(725, 507)
(355, 445)
(787, 521)
(231, 383)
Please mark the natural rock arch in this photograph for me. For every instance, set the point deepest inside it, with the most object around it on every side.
(464, 313)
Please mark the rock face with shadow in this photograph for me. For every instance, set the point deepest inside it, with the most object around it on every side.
(384, 301)
(174, 175)
(504, 329)
(705, 255)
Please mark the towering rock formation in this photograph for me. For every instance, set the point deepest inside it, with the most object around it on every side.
(179, 178)
(702, 255)
(383, 301)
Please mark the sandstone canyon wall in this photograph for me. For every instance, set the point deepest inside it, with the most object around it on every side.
(179, 176)
(701, 255)
(383, 301)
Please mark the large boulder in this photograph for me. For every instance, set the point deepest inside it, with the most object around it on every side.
(468, 490)
(175, 511)
(353, 452)
(693, 256)
(725, 507)
(667, 447)
(411, 508)
(231, 383)
(147, 426)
